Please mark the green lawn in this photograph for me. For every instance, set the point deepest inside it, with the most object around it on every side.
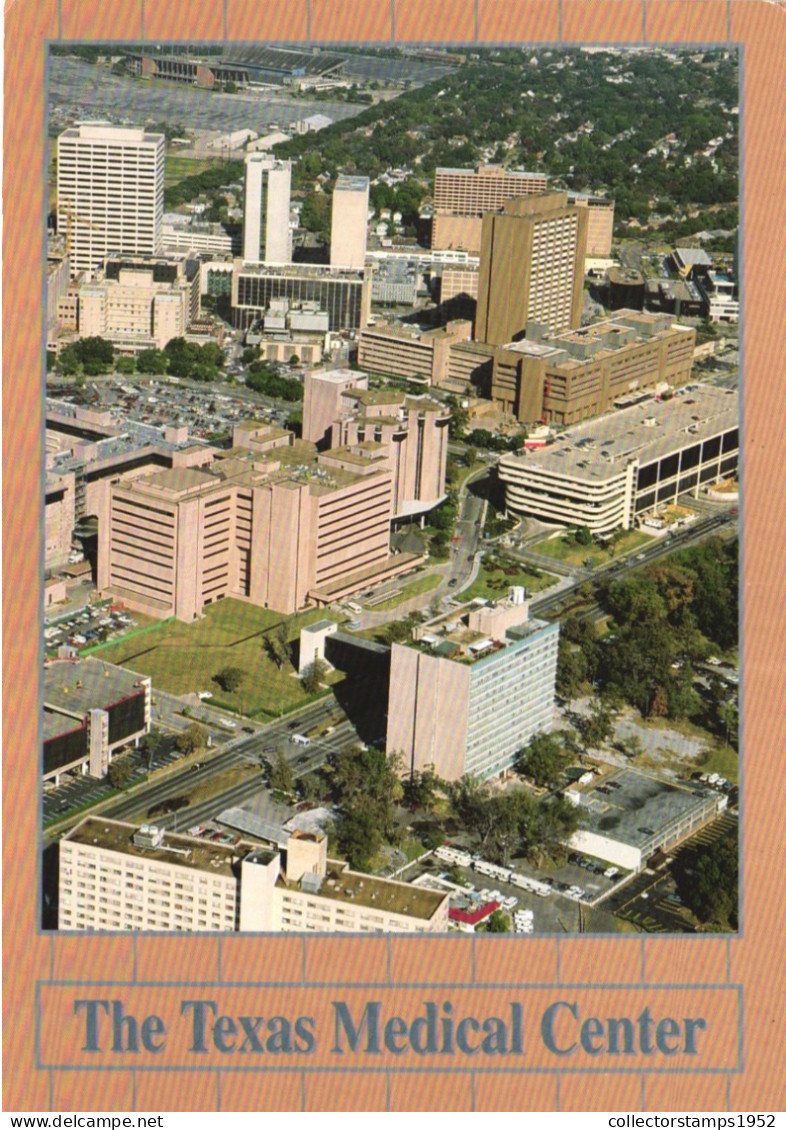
(422, 584)
(177, 167)
(561, 550)
(184, 657)
(493, 583)
(724, 761)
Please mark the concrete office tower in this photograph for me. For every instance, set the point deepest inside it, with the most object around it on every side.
(531, 267)
(472, 688)
(266, 233)
(349, 223)
(110, 192)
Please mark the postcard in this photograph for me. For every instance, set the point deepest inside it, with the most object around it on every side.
(394, 647)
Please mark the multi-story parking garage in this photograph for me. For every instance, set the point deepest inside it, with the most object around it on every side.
(606, 473)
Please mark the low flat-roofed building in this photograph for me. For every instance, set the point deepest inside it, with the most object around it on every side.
(472, 688)
(721, 298)
(91, 709)
(117, 876)
(565, 378)
(639, 814)
(420, 356)
(606, 473)
(345, 294)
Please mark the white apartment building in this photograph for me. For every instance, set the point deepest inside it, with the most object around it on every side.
(471, 688)
(116, 876)
(110, 192)
(266, 233)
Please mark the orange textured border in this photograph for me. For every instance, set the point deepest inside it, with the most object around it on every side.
(755, 959)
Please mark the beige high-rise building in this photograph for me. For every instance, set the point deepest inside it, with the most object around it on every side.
(131, 308)
(463, 196)
(116, 876)
(341, 412)
(531, 267)
(110, 192)
(349, 222)
(272, 523)
(266, 233)
(471, 688)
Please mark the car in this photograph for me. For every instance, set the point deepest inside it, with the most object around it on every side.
(248, 730)
(640, 556)
(452, 583)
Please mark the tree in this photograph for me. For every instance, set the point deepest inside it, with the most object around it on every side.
(120, 772)
(498, 922)
(277, 648)
(358, 835)
(152, 361)
(459, 417)
(150, 744)
(192, 739)
(230, 678)
(282, 778)
(470, 455)
(311, 679)
(597, 726)
(421, 789)
(542, 759)
(396, 631)
(707, 881)
(125, 365)
(369, 781)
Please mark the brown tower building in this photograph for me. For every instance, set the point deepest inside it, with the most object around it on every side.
(531, 267)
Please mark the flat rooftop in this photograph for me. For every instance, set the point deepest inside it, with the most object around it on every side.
(347, 183)
(303, 271)
(384, 895)
(640, 808)
(600, 449)
(102, 684)
(198, 855)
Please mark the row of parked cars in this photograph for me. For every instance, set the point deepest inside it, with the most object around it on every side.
(90, 625)
(592, 866)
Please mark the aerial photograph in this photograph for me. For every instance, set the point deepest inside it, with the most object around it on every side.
(391, 493)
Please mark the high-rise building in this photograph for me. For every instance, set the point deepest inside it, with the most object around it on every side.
(110, 192)
(471, 688)
(340, 411)
(116, 876)
(349, 222)
(531, 267)
(463, 196)
(266, 233)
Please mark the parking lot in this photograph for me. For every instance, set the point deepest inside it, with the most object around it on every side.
(559, 912)
(77, 792)
(87, 626)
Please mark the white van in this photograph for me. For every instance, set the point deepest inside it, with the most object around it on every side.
(299, 739)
